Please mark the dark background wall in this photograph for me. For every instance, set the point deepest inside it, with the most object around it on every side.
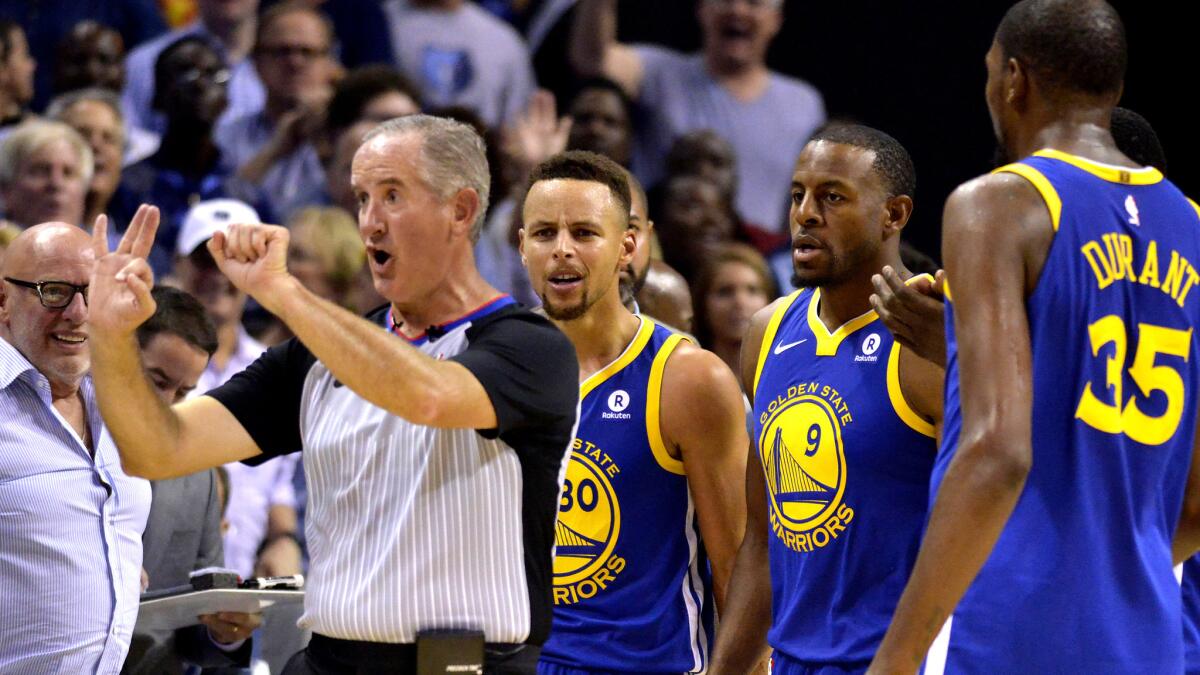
(915, 70)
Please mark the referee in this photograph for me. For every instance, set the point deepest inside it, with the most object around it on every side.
(434, 431)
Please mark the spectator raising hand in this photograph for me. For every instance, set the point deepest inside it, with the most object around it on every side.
(537, 134)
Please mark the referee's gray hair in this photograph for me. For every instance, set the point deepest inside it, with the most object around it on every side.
(31, 136)
(453, 157)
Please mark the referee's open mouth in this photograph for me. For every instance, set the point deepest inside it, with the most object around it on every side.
(379, 258)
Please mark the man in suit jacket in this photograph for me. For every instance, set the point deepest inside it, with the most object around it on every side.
(183, 532)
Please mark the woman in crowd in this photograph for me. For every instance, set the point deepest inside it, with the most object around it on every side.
(731, 287)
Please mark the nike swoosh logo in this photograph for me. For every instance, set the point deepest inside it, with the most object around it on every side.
(779, 349)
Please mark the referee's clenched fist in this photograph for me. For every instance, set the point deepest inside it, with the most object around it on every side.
(254, 257)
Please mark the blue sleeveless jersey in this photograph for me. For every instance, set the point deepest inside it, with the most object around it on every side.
(1080, 579)
(632, 590)
(847, 463)
(1191, 615)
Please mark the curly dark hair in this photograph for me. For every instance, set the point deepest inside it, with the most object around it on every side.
(892, 161)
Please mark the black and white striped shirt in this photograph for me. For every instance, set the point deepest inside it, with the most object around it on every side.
(413, 527)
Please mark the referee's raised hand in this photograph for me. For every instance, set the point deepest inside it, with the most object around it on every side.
(254, 257)
(119, 291)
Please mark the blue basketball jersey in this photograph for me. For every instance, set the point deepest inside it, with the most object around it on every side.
(632, 590)
(847, 463)
(1080, 579)
(1190, 585)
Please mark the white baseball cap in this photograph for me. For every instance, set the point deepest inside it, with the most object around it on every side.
(209, 217)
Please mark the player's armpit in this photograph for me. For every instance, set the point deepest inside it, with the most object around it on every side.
(704, 417)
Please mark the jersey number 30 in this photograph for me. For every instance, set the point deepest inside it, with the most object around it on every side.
(1152, 340)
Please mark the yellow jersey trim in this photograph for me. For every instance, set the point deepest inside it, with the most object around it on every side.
(1043, 186)
(636, 345)
(1125, 175)
(1194, 206)
(654, 407)
(903, 410)
(769, 337)
(827, 343)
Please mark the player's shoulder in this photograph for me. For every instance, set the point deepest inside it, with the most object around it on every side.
(695, 364)
(1002, 193)
(762, 318)
(756, 333)
(994, 184)
(696, 382)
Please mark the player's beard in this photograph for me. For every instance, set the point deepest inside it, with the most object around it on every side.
(572, 311)
(841, 267)
(631, 284)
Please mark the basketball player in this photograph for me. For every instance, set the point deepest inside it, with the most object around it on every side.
(633, 275)
(654, 482)
(1071, 407)
(844, 425)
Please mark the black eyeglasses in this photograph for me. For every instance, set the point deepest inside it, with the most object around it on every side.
(53, 294)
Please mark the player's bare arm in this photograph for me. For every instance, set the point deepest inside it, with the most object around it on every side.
(368, 360)
(921, 383)
(155, 440)
(703, 420)
(996, 231)
(742, 637)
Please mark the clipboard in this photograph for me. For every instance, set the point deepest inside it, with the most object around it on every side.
(179, 611)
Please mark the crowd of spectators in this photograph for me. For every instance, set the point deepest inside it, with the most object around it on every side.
(252, 112)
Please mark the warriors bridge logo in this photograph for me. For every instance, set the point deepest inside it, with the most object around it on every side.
(804, 463)
(589, 522)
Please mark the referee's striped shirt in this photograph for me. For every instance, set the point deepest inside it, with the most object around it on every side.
(413, 527)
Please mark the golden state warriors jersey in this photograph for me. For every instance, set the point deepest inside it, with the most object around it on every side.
(632, 590)
(1080, 579)
(846, 462)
